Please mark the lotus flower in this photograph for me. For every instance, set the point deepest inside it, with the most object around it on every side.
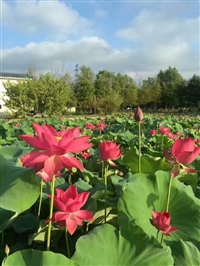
(161, 220)
(184, 151)
(90, 126)
(69, 203)
(101, 125)
(138, 116)
(153, 132)
(109, 151)
(55, 149)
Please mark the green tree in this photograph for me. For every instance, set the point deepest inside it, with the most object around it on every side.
(109, 103)
(19, 97)
(84, 88)
(128, 90)
(46, 93)
(170, 81)
(105, 80)
(190, 92)
(152, 90)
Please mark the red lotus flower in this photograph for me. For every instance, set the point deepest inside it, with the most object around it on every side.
(90, 126)
(138, 116)
(101, 125)
(55, 149)
(17, 125)
(153, 132)
(85, 155)
(109, 151)
(45, 176)
(161, 221)
(164, 130)
(184, 151)
(69, 203)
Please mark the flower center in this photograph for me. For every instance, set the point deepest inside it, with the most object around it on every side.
(58, 138)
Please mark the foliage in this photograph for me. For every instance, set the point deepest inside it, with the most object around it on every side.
(128, 237)
(45, 94)
(170, 80)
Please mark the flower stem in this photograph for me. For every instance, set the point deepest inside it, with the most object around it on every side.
(2, 239)
(169, 193)
(157, 234)
(67, 243)
(162, 239)
(50, 213)
(40, 201)
(168, 199)
(162, 143)
(105, 196)
(139, 148)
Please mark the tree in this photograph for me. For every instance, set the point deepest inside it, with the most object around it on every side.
(19, 97)
(170, 80)
(190, 92)
(105, 81)
(151, 92)
(46, 93)
(110, 103)
(84, 88)
(128, 90)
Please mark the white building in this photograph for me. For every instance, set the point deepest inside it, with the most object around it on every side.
(14, 78)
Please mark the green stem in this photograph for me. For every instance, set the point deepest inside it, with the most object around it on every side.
(157, 234)
(67, 243)
(50, 213)
(162, 239)
(105, 196)
(169, 193)
(70, 179)
(139, 148)
(162, 143)
(2, 239)
(102, 170)
(168, 199)
(40, 201)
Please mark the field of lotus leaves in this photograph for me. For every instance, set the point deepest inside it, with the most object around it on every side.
(113, 190)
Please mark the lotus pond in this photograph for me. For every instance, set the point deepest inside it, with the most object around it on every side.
(117, 190)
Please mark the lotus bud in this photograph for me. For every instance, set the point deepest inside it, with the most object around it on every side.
(138, 116)
(7, 250)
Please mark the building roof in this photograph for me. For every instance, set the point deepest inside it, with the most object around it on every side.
(6, 75)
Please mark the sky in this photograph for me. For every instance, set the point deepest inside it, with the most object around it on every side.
(137, 38)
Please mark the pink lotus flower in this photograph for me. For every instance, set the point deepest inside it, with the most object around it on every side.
(101, 125)
(153, 132)
(90, 126)
(85, 155)
(138, 116)
(17, 125)
(109, 151)
(44, 176)
(161, 220)
(69, 203)
(55, 149)
(164, 130)
(184, 151)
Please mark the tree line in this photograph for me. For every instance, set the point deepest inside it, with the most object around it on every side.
(105, 92)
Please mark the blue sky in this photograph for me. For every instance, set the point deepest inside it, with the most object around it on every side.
(137, 38)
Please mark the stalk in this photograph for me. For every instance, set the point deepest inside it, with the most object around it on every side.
(139, 148)
(67, 243)
(50, 213)
(40, 200)
(106, 185)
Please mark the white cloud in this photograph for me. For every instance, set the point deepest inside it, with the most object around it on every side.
(52, 18)
(156, 27)
(159, 42)
(100, 13)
